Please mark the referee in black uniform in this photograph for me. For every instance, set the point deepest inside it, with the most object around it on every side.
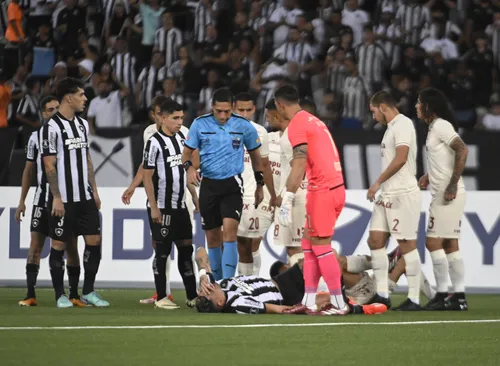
(74, 202)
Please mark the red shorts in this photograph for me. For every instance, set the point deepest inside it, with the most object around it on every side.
(322, 211)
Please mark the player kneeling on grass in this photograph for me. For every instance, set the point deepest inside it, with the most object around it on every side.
(256, 295)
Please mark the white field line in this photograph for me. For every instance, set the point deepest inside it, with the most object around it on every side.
(423, 322)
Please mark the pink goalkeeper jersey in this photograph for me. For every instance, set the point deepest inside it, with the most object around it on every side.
(323, 169)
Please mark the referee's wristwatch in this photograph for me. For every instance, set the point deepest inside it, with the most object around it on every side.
(187, 164)
(259, 178)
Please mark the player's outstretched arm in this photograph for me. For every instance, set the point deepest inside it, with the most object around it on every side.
(461, 152)
(276, 309)
(25, 187)
(298, 170)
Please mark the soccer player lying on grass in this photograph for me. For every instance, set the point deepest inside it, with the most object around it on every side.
(256, 295)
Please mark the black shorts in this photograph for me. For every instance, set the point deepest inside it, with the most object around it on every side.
(291, 285)
(175, 225)
(40, 220)
(80, 218)
(220, 199)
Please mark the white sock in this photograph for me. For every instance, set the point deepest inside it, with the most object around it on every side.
(440, 267)
(380, 265)
(457, 271)
(295, 258)
(425, 287)
(167, 273)
(413, 271)
(309, 300)
(337, 301)
(358, 263)
(392, 285)
(256, 263)
(245, 269)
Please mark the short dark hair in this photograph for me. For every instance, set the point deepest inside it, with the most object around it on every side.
(434, 102)
(271, 105)
(170, 106)
(204, 305)
(222, 95)
(382, 97)
(288, 93)
(307, 103)
(157, 102)
(244, 97)
(68, 86)
(46, 100)
(275, 268)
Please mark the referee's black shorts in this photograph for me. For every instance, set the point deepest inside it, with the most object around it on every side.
(220, 199)
(80, 218)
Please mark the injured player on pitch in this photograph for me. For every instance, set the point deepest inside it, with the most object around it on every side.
(257, 295)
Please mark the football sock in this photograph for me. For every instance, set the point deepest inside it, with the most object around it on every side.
(392, 285)
(56, 265)
(245, 269)
(215, 258)
(167, 271)
(358, 263)
(256, 262)
(413, 271)
(159, 268)
(440, 267)
(457, 271)
(331, 273)
(73, 279)
(311, 274)
(425, 287)
(380, 265)
(91, 260)
(229, 259)
(31, 276)
(185, 266)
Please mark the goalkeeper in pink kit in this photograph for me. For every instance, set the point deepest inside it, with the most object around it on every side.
(314, 154)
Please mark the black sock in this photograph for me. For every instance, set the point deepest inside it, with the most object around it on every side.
(160, 266)
(91, 260)
(185, 265)
(73, 279)
(56, 264)
(31, 276)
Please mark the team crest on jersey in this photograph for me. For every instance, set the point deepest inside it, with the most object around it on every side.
(164, 232)
(236, 143)
(146, 156)
(45, 144)
(81, 128)
(205, 142)
(35, 223)
(59, 231)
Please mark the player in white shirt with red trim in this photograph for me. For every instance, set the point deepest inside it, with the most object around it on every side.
(396, 211)
(254, 220)
(446, 157)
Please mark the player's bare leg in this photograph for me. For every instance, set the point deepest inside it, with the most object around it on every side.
(399, 270)
(457, 300)
(377, 242)
(230, 252)
(186, 269)
(214, 244)
(73, 268)
(245, 258)
(91, 261)
(413, 270)
(440, 268)
(256, 255)
(32, 267)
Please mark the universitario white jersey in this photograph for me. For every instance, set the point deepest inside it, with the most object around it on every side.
(69, 141)
(286, 158)
(440, 156)
(400, 131)
(33, 154)
(275, 161)
(164, 154)
(249, 294)
(249, 184)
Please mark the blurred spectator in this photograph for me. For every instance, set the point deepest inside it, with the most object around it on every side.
(205, 14)
(237, 74)
(356, 19)
(414, 19)
(28, 111)
(438, 41)
(15, 33)
(205, 100)
(151, 12)
(215, 50)
(354, 111)
(168, 39)
(7, 135)
(147, 85)
(114, 25)
(169, 89)
(334, 29)
(388, 35)
(281, 19)
(124, 64)
(105, 109)
(491, 121)
(461, 87)
(59, 72)
(372, 61)
(493, 32)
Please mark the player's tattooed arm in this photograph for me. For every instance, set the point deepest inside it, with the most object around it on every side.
(91, 173)
(461, 152)
(298, 170)
(202, 261)
(51, 172)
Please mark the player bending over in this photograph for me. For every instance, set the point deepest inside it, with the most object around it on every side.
(257, 295)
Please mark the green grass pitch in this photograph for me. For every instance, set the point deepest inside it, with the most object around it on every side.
(133, 334)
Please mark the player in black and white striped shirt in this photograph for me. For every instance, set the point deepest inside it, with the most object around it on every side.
(165, 184)
(40, 217)
(74, 202)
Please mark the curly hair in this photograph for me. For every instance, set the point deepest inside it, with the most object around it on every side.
(435, 104)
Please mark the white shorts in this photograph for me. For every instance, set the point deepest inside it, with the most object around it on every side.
(291, 236)
(397, 215)
(445, 218)
(254, 221)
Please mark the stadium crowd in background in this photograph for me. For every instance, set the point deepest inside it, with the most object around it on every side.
(337, 52)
